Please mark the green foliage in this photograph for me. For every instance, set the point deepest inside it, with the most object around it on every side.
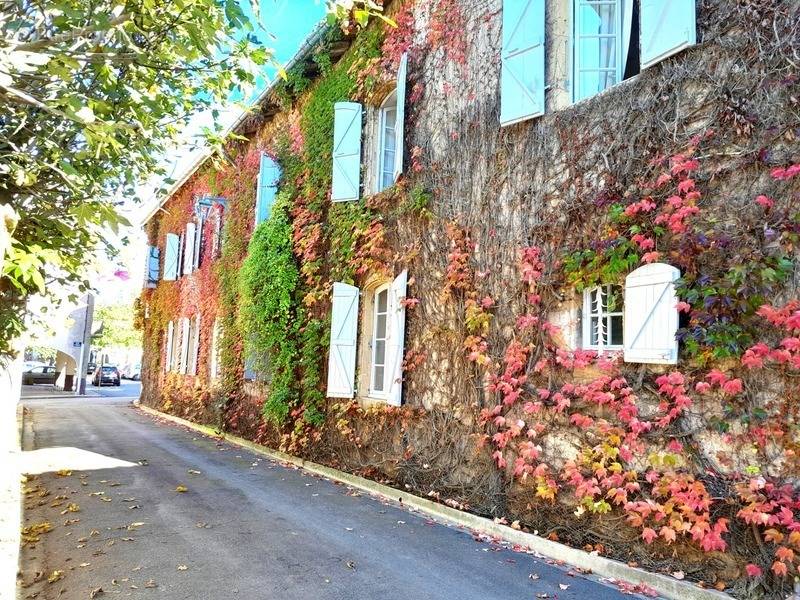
(118, 327)
(268, 283)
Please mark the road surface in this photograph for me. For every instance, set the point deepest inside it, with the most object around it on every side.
(126, 389)
(195, 518)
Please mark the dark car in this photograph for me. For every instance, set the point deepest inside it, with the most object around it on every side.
(40, 375)
(106, 374)
(91, 368)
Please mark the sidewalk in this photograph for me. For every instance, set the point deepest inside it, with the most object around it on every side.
(10, 503)
(41, 391)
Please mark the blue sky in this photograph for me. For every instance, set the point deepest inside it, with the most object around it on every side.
(289, 21)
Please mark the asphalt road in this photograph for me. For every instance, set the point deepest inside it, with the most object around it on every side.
(126, 389)
(245, 527)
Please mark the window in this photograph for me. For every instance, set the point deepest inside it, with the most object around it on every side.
(387, 147)
(193, 345)
(602, 318)
(379, 335)
(603, 52)
(169, 352)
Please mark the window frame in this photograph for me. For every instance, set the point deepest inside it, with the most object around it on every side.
(588, 312)
(389, 104)
(575, 37)
(375, 393)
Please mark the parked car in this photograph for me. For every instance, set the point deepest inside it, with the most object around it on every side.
(131, 372)
(106, 374)
(42, 374)
(91, 368)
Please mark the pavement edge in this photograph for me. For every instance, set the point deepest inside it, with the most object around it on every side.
(668, 587)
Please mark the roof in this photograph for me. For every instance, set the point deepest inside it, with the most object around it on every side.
(303, 52)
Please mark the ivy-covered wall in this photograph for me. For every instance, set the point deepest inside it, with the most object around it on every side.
(693, 162)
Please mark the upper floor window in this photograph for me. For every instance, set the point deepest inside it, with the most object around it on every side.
(387, 148)
(602, 318)
(604, 54)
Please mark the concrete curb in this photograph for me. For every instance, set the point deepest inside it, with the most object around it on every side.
(667, 587)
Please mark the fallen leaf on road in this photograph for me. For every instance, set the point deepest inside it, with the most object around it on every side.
(84, 564)
(127, 539)
(106, 499)
(133, 506)
(64, 473)
(183, 568)
(542, 595)
(181, 488)
(193, 472)
(678, 574)
(97, 494)
(133, 526)
(351, 565)
(563, 586)
(348, 529)
(129, 499)
(71, 507)
(93, 532)
(202, 525)
(150, 584)
(55, 576)
(69, 522)
(96, 592)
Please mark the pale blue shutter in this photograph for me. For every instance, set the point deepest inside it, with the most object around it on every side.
(153, 256)
(346, 183)
(268, 175)
(171, 251)
(400, 115)
(522, 61)
(667, 27)
(650, 315)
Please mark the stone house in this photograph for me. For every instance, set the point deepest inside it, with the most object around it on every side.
(511, 254)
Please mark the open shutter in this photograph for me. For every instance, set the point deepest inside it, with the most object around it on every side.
(667, 27)
(170, 343)
(346, 152)
(396, 340)
(151, 267)
(188, 248)
(171, 257)
(651, 316)
(342, 352)
(522, 61)
(195, 346)
(268, 175)
(400, 115)
(198, 245)
(185, 331)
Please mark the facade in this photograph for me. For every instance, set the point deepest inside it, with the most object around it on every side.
(533, 258)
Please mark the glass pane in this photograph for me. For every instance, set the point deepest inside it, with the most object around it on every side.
(616, 331)
(597, 18)
(614, 299)
(380, 327)
(380, 352)
(378, 379)
(593, 341)
(382, 301)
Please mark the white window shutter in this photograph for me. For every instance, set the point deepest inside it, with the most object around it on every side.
(400, 115)
(342, 352)
(395, 343)
(667, 27)
(522, 61)
(346, 184)
(195, 346)
(171, 252)
(198, 245)
(268, 175)
(170, 343)
(188, 248)
(651, 316)
(214, 353)
(184, 356)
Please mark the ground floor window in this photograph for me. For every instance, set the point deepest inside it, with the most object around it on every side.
(602, 318)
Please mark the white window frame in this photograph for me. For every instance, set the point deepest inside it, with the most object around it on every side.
(576, 45)
(389, 105)
(604, 320)
(382, 394)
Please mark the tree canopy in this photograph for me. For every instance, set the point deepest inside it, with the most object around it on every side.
(93, 95)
